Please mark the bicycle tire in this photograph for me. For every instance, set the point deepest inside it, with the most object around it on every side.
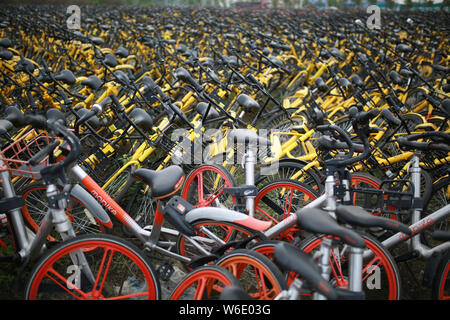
(287, 168)
(123, 269)
(259, 276)
(441, 281)
(391, 275)
(270, 206)
(439, 198)
(205, 282)
(35, 209)
(226, 231)
(277, 118)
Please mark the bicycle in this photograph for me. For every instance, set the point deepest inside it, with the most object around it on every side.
(73, 254)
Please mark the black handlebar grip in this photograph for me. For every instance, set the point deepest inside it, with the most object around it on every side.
(386, 114)
(116, 102)
(74, 145)
(446, 87)
(31, 100)
(396, 79)
(365, 117)
(443, 145)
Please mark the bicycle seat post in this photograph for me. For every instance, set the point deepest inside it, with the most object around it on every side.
(324, 263)
(250, 161)
(330, 204)
(414, 169)
(15, 216)
(356, 267)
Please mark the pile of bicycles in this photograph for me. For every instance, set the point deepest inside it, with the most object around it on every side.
(275, 155)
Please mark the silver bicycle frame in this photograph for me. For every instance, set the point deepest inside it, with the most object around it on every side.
(419, 224)
(31, 245)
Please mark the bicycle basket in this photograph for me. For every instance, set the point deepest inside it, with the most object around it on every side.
(435, 162)
(393, 197)
(16, 155)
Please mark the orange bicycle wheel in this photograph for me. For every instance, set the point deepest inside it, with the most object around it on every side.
(206, 282)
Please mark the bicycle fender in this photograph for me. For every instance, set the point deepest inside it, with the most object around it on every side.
(225, 215)
(91, 204)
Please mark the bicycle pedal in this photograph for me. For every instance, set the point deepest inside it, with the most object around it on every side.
(165, 271)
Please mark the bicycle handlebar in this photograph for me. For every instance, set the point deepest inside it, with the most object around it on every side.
(406, 141)
(39, 122)
(360, 121)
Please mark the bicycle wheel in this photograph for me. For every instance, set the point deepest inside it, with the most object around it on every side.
(204, 187)
(118, 270)
(204, 283)
(259, 276)
(279, 199)
(36, 208)
(223, 232)
(441, 281)
(381, 278)
(277, 118)
(287, 170)
(439, 198)
(363, 183)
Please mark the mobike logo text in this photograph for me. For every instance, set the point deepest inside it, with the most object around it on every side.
(415, 229)
(104, 202)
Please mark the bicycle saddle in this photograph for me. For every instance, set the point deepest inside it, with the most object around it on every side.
(122, 77)
(345, 82)
(162, 183)
(14, 115)
(209, 62)
(446, 105)
(110, 60)
(403, 47)
(247, 102)
(202, 107)
(182, 48)
(318, 221)
(291, 258)
(275, 61)
(5, 126)
(185, 76)
(247, 136)
(66, 76)
(281, 46)
(93, 121)
(141, 118)
(357, 216)
(122, 52)
(6, 54)
(357, 81)
(231, 60)
(395, 77)
(96, 40)
(335, 52)
(5, 43)
(321, 85)
(92, 82)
